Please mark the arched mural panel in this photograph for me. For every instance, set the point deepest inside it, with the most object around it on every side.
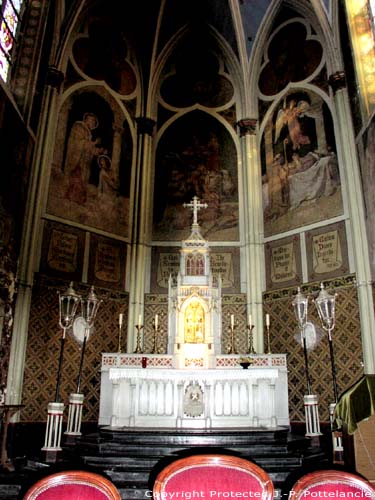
(300, 174)
(90, 178)
(196, 156)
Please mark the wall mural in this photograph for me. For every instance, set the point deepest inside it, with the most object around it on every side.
(91, 170)
(196, 157)
(300, 174)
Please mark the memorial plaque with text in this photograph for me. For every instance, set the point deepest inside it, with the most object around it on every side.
(62, 251)
(283, 262)
(107, 262)
(166, 263)
(327, 254)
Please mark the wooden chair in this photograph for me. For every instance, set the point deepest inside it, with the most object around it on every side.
(73, 485)
(331, 484)
(212, 477)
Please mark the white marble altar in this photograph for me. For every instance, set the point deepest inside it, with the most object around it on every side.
(194, 384)
(161, 396)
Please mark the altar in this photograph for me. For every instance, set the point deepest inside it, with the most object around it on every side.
(224, 396)
(198, 382)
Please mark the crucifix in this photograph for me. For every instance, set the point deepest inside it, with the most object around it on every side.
(195, 205)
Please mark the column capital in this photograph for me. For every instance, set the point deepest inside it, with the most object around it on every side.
(54, 77)
(247, 126)
(337, 81)
(145, 125)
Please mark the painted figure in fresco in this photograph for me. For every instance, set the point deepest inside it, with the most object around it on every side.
(304, 167)
(108, 184)
(81, 150)
(196, 157)
(278, 192)
(290, 116)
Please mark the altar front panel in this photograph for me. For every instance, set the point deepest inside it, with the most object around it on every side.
(221, 397)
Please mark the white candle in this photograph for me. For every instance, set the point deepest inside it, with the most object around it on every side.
(156, 320)
(250, 320)
(139, 319)
(232, 320)
(120, 319)
(267, 319)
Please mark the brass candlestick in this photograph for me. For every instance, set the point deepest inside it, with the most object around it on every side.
(232, 347)
(155, 348)
(119, 338)
(138, 349)
(268, 339)
(250, 340)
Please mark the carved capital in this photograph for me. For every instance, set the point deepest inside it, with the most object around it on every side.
(337, 81)
(54, 77)
(145, 125)
(247, 126)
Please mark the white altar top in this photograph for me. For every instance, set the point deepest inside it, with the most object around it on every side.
(162, 396)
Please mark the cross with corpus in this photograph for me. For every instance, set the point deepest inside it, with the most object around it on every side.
(195, 205)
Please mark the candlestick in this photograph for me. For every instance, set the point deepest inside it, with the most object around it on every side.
(267, 320)
(155, 346)
(250, 343)
(232, 347)
(119, 336)
(232, 320)
(120, 319)
(268, 338)
(138, 349)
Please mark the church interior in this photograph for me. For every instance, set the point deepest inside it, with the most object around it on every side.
(187, 243)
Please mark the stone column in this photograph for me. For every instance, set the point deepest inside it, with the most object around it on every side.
(253, 226)
(354, 196)
(141, 226)
(40, 172)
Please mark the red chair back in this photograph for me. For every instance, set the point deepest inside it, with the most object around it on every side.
(73, 485)
(213, 477)
(332, 484)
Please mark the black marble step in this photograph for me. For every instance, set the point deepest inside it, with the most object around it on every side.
(193, 437)
(132, 457)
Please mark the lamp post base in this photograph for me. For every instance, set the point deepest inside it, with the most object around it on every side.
(310, 402)
(52, 441)
(337, 446)
(74, 416)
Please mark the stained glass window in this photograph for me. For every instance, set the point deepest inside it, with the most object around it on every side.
(10, 16)
(360, 17)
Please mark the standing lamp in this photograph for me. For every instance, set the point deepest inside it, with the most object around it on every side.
(300, 305)
(89, 306)
(68, 303)
(325, 304)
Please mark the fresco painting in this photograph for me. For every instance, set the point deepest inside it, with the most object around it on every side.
(300, 172)
(91, 170)
(196, 156)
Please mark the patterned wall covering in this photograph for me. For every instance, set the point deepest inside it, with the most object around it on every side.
(346, 344)
(44, 347)
(44, 344)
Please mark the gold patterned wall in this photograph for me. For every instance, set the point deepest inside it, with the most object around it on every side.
(346, 343)
(43, 350)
